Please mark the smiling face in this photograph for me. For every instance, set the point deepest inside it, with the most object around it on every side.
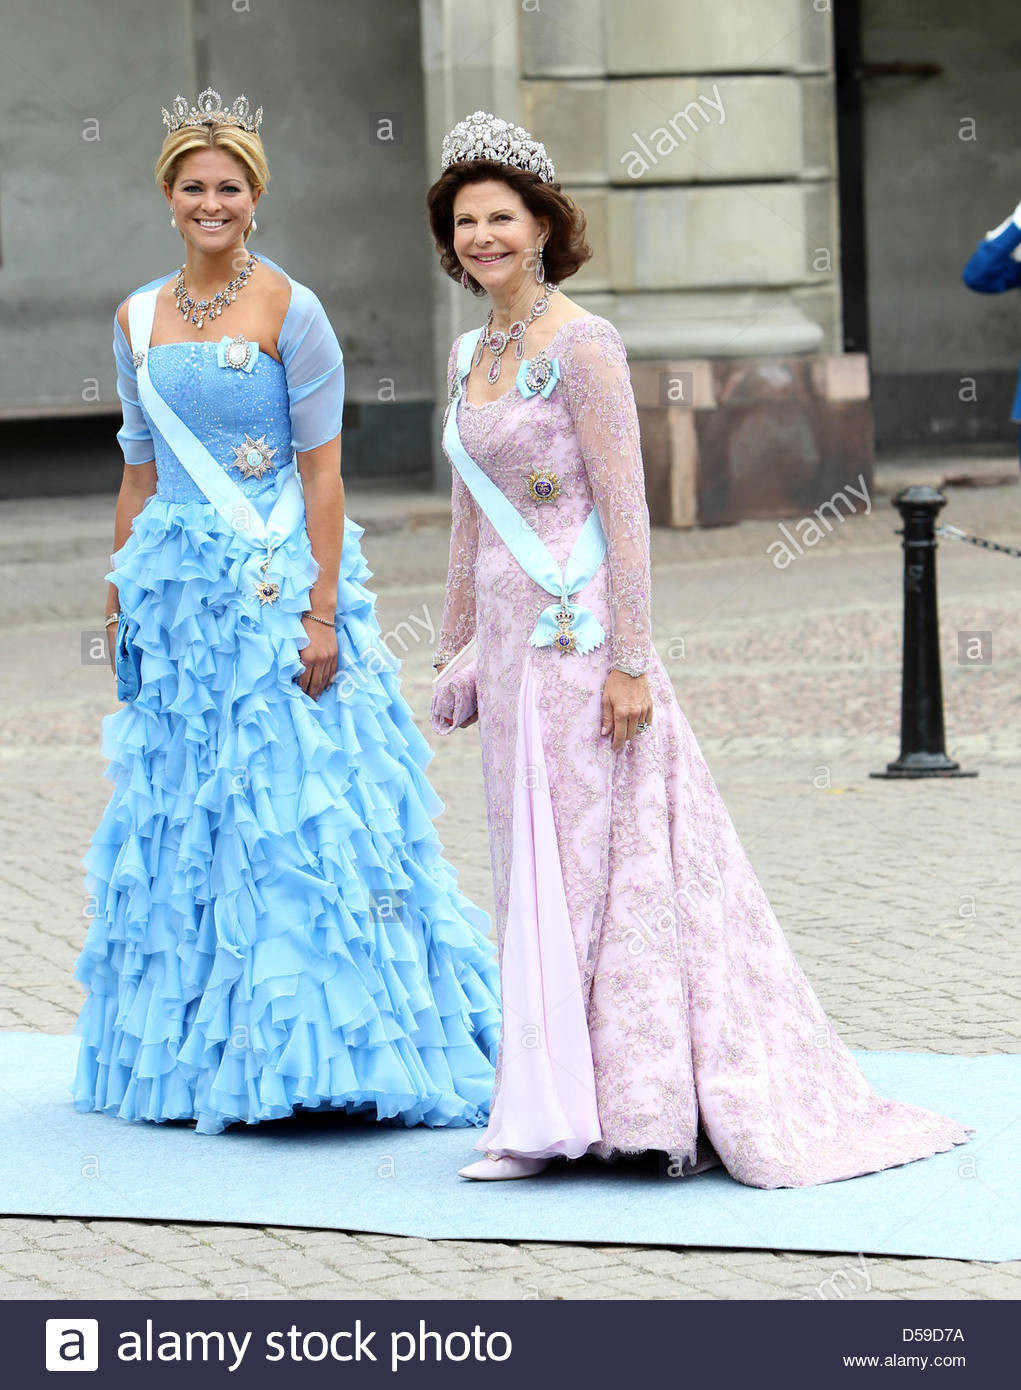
(212, 199)
(495, 235)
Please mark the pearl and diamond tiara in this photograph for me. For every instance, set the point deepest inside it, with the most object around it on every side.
(485, 136)
(209, 110)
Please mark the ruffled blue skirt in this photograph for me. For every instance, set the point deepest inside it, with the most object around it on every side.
(274, 927)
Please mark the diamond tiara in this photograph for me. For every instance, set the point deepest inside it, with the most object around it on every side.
(210, 111)
(485, 136)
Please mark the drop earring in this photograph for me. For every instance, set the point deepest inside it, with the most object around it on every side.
(173, 220)
(253, 224)
(540, 269)
(465, 280)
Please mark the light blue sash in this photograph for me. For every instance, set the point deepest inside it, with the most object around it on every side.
(223, 493)
(523, 541)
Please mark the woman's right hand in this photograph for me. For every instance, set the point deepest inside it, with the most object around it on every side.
(465, 723)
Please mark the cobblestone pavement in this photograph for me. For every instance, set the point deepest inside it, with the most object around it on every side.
(900, 899)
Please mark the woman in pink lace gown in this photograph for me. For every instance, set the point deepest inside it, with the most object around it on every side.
(650, 999)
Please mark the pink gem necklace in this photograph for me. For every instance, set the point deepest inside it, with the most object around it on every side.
(497, 341)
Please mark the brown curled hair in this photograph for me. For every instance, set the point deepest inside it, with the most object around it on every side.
(565, 249)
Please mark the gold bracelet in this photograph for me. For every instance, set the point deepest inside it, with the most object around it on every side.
(326, 622)
(111, 618)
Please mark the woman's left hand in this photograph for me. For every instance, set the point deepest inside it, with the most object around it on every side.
(319, 658)
(627, 700)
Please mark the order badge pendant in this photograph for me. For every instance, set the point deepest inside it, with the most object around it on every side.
(564, 639)
(266, 591)
(543, 485)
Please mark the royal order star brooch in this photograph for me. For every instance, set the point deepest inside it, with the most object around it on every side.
(254, 457)
(543, 485)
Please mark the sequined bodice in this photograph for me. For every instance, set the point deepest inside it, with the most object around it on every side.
(221, 406)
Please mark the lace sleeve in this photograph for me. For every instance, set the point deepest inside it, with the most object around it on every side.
(605, 418)
(458, 625)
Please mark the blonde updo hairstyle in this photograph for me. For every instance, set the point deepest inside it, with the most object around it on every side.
(244, 145)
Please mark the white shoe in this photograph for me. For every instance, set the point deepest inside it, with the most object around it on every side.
(496, 1167)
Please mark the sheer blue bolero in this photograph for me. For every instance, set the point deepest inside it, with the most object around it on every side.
(296, 403)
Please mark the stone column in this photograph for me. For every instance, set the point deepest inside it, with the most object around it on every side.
(470, 62)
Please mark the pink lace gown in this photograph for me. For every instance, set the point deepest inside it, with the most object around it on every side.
(650, 998)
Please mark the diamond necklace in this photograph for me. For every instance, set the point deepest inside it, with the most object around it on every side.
(198, 310)
(497, 341)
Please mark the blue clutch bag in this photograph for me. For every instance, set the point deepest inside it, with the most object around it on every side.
(127, 659)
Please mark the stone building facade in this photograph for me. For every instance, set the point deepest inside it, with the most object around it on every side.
(780, 306)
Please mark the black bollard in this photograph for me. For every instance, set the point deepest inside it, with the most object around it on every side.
(922, 751)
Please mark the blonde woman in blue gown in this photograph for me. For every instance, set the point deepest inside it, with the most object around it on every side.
(273, 925)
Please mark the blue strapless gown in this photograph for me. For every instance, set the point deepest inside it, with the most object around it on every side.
(274, 927)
